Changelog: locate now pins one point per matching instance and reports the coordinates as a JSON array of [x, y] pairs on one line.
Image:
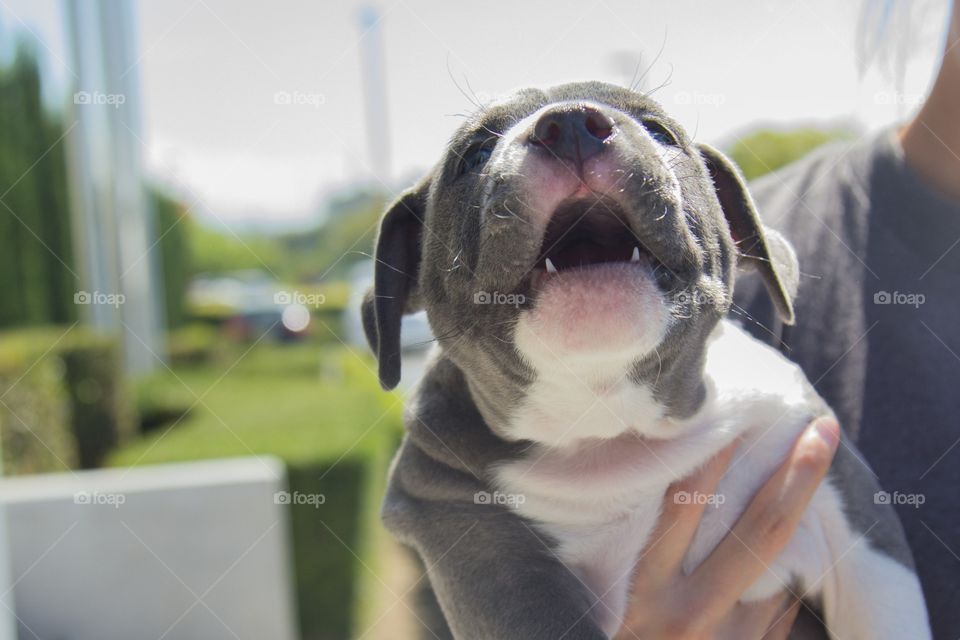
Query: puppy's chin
[[602, 314]]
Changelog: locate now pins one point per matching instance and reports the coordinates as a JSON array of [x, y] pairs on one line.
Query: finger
[[681, 516], [768, 522], [753, 619], [780, 627]]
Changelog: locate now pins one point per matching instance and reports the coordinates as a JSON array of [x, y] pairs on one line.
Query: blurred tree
[[36, 285], [36, 251], [322, 253], [767, 150], [218, 251], [348, 234]]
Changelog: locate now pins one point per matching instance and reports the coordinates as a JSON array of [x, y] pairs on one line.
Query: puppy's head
[[576, 229]]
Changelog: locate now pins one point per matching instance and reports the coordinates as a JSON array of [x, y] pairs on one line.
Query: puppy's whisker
[[457, 263], [393, 268], [476, 97], [663, 84], [740, 254], [636, 86], [460, 89], [452, 335], [507, 207], [659, 367], [740, 311], [472, 100], [521, 201], [493, 134]]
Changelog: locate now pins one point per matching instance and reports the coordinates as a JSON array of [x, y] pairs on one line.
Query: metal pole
[[375, 94], [112, 222]]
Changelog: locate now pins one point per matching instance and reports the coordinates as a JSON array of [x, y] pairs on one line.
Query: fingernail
[[827, 430]]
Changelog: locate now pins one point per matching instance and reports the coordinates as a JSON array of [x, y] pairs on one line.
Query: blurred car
[[249, 304]]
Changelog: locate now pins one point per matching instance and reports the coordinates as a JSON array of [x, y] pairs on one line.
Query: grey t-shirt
[[878, 331]]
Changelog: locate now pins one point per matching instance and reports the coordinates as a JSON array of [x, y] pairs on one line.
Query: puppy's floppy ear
[[758, 246], [394, 292]]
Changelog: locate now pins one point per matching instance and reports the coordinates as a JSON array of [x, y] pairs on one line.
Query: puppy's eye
[[474, 159], [660, 133]]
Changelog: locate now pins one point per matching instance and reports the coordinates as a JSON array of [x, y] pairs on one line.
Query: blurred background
[[193, 440]]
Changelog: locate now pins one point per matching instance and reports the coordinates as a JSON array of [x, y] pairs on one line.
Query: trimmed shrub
[[64, 404], [193, 344], [160, 401], [172, 244], [325, 539], [34, 411], [101, 414]]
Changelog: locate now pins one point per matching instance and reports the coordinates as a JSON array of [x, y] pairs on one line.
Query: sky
[[211, 71]]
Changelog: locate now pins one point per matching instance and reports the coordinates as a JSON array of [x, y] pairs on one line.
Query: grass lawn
[[299, 402], [320, 409]]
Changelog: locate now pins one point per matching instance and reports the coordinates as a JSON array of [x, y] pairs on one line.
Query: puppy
[[575, 252]]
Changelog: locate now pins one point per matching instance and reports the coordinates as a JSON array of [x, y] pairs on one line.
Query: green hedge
[[160, 401], [326, 572], [36, 285], [34, 412], [63, 403], [102, 416], [194, 344], [766, 150], [170, 224]]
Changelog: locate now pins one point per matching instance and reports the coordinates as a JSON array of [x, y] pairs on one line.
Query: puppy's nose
[[572, 133]]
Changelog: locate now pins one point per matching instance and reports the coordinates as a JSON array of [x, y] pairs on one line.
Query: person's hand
[[665, 603]]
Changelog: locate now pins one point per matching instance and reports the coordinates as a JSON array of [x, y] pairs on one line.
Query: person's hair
[[889, 32]]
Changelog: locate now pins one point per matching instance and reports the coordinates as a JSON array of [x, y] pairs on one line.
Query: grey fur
[[866, 513]]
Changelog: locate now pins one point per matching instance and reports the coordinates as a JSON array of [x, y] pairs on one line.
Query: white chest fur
[[598, 499]]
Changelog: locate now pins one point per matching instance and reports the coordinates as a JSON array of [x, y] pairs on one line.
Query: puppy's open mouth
[[587, 233]]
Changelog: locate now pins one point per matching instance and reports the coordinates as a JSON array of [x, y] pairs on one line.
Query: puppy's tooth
[[636, 255], [550, 267]]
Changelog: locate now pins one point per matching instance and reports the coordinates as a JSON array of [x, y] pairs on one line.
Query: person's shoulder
[[821, 205], [825, 184]]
